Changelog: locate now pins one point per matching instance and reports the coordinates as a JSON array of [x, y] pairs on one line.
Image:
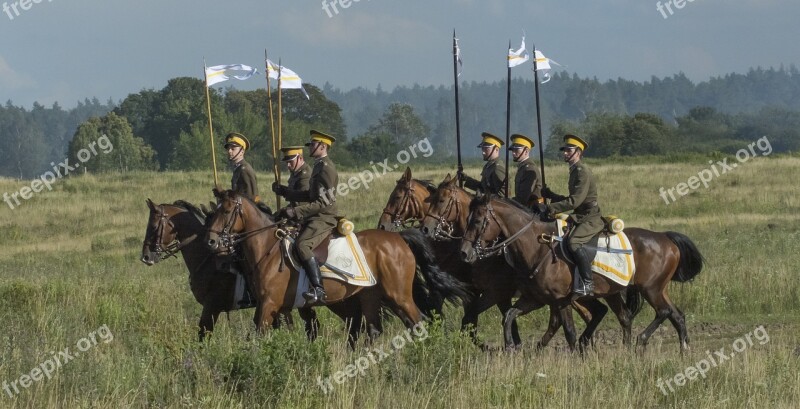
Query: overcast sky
[[66, 50]]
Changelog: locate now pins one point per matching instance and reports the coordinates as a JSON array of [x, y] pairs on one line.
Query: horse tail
[[691, 261], [437, 282], [633, 301]]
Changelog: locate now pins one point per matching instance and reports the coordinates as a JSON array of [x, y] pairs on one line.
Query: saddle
[[611, 252]]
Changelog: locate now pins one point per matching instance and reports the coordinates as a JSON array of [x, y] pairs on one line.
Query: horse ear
[[217, 193], [150, 204], [447, 178], [407, 174]]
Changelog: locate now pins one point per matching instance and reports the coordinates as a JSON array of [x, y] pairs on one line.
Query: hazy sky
[[66, 50]]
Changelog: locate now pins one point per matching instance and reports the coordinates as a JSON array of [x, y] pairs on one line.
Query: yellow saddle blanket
[[614, 257]]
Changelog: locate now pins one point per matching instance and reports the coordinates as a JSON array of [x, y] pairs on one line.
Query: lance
[[508, 115], [538, 114], [275, 166], [458, 117], [210, 127], [280, 110]]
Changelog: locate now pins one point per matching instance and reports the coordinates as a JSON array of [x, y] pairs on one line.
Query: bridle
[[444, 228], [171, 249], [494, 248], [397, 218], [229, 240]]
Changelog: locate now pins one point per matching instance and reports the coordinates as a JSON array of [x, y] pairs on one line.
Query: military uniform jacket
[[298, 186], [527, 182], [582, 199], [492, 177], [320, 198], [243, 180]]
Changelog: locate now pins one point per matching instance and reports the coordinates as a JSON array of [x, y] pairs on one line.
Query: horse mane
[[269, 217], [196, 211], [428, 184], [476, 201]]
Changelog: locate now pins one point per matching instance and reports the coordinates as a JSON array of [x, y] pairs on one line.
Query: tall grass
[[69, 264]]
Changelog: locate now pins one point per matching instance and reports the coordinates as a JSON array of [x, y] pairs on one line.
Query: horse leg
[[469, 322], [312, 323], [678, 321], [592, 314], [349, 311], [661, 304], [523, 306], [266, 313], [617, 304], [371, 310], [552, 326], [565, 312], [207, 320], [504, 306]]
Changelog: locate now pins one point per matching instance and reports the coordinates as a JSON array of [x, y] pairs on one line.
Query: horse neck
[[511, 220], [420, 196], [463, 199], [195, 254], [259, 244]]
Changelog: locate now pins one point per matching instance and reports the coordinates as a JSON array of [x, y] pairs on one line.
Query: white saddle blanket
[[346, 263], [614, 257]]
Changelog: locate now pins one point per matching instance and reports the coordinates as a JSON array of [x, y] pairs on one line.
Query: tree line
[[167, 129]]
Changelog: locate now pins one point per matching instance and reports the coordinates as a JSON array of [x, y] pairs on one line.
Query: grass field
[[69, 268]]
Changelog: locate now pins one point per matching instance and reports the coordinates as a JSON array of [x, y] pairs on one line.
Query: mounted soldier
[[582, 201], [493, 173], [528, 182], [297, 186], [318, 212], [243, 180]]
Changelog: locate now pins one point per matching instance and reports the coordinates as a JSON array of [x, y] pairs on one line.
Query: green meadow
[[70, 272]]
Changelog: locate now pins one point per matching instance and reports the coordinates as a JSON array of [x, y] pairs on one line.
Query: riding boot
[[582, 283], [316, 295]]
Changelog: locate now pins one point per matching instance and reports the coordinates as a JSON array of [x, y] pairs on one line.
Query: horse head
[[161, 236], [235, 219], [447, 213], [493, 218], [407, 203]]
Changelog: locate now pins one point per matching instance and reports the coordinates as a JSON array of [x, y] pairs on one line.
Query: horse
[[446, 216], [392, 257], [660, 258], [175, 228], [407, 207]]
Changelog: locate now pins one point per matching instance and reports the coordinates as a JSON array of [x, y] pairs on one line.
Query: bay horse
[[176, 228], [446, 219], [407, 207], [659, 257], [392, 257]]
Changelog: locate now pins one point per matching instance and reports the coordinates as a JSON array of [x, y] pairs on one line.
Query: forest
[[167, 129]]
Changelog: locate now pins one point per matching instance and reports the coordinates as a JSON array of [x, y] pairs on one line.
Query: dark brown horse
[[410, 204], [391, 257], [446, 219], [179, 228], [659, 257]]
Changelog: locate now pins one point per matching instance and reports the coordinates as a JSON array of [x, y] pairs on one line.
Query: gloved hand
[[539, 208], [460, 176], [279, 189], [287, 213], [547, 193]]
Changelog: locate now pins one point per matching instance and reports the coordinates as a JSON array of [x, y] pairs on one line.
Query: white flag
[[518, 57], [458, 58], [218, 73], [543, 65], [289, 79]]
